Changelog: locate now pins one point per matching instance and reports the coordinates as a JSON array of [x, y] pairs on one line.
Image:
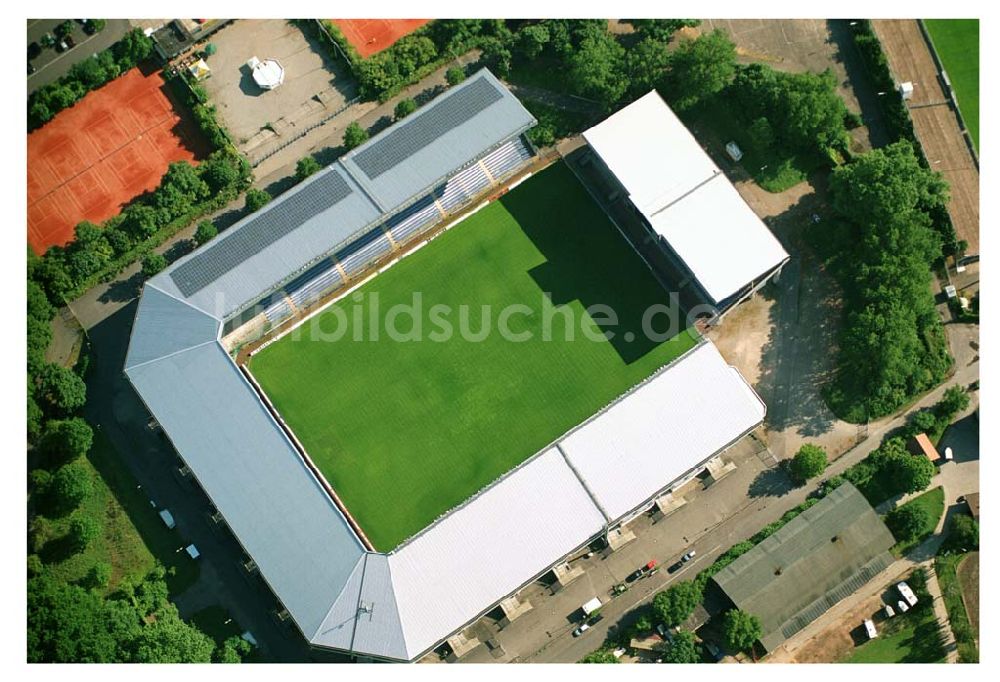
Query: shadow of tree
[[122, 290], [798, 358], [772, 482]]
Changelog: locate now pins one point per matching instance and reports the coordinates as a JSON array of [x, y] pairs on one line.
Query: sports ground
[[94, 157], [957, 44], [369, 36], [406, 430]]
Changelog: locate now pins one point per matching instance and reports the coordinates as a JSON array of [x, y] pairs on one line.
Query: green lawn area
[[406, 430], [946, 567], [911, 637], [134, 537], [933, 502], [957, 44]]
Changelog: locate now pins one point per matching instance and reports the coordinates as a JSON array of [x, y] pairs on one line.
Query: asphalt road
[[51, 65]]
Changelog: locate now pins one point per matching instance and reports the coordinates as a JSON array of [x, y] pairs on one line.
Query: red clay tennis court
[[369, 36], [92, 158]]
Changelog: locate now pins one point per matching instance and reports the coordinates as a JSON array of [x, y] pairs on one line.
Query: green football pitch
[[404, 430], [957, 44]]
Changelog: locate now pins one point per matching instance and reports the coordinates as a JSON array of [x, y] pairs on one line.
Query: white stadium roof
[[685, 197]]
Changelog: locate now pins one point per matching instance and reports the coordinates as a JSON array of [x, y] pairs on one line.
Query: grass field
[[404, 431], [957, 44]]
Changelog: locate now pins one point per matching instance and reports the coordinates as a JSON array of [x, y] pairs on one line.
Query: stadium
[[390, 493]]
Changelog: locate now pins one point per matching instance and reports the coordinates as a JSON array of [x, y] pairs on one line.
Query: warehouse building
[[820, 557]]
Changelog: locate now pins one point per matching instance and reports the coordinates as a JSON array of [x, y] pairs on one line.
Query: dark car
[[70, 42], [34, 50], [640, 572]]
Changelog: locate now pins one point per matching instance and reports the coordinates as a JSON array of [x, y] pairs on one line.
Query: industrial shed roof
[[685, 197], [818, 558]]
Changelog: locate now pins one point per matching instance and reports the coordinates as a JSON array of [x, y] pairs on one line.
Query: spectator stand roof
[[821, 556], [685, 197]]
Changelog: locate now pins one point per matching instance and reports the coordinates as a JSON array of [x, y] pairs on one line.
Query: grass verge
[[946, 567], [933, 502]]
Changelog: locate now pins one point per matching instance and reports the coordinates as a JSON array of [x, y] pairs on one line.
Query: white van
[[870, 629], [591, 606]]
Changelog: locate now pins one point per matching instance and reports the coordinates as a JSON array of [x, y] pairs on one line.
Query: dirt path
[[935, 122]]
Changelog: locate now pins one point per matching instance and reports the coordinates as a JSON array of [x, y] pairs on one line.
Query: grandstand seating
[[403, 227]]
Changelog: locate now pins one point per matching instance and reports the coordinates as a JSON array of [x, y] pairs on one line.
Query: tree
[[908, 522], [99, 576], [809, 462], [597, 69], [132, 48], [531, 41], [220, 171], [454, 75], [233, 650], [646, 64], [906, 472], [892, 346], [354, 135], [699, 69], [35, 418], [39, 336], [682, 649], [923, 421], [675, 604], [496, 55], [599, 656], [60, 389], [205, 232], [39, 306], [404, 108], [256, 199], [65, 440], [661, 29], [83, 530], [307, 165], [35, 565], [70, 485], [741, 630], [963, 533], [954, 401], [153, 264], [169, 639]]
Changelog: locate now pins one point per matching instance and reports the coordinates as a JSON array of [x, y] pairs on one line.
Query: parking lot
[[315, 85]]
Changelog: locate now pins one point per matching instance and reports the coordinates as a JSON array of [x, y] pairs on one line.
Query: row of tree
[[86, 75], [184, 191], [892, 346]]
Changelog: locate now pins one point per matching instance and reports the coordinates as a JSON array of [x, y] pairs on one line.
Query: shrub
[[354, 135], [99, 576], [39, 481], [66, 439], [307, 165], [205, 232], [404, 108], [83, 530], [256, 199], [60, 390], [599, 656], [963, 533], [454, 75], [35, 565], [682, 649], [70, 485], [153, 264], [809, 462]]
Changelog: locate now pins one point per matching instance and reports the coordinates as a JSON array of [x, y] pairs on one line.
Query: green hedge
[[87, 75]]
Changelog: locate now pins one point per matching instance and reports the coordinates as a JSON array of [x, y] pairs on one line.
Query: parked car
[[70, 43], [889, 612], [168, 519], [640, 572], [870, 628], [903, 608], [192, 551], [582, 629], [906, 593], [34, 50], [688, 556]]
